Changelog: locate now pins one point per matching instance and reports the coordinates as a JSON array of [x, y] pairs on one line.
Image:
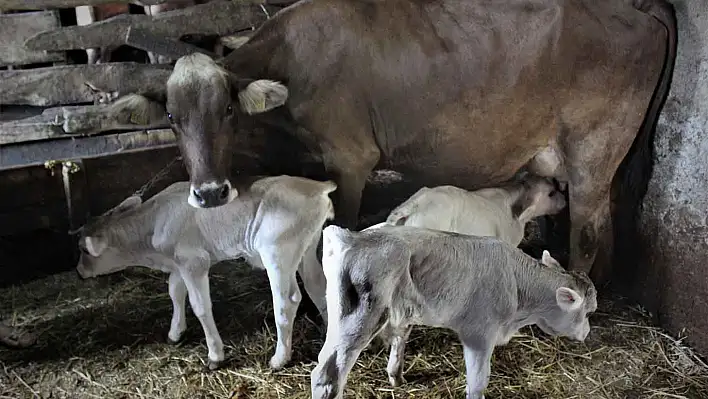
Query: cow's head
[[99, 253], [572, 303], [204, 103]]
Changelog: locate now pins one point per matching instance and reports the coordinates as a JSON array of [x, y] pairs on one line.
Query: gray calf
[[274, 224], [485, 290]]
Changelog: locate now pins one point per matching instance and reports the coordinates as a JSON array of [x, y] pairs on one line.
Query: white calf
[[274, 224], [500, 212]]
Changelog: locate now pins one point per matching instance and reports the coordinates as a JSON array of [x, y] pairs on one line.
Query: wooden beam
[[15, 29], [66, 84], [218, 17], [86, 120], [147, 41], [22, 5], [36, 153]]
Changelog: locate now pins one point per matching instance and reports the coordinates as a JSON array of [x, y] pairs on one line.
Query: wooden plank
[[39, 152], [131, 112], [66, 84], [15, 29], [218, 17], [147, 41], [49, 4]]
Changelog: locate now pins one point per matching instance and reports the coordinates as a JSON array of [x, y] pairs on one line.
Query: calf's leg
[[478, 358], [286, 299], [395, 358], [178, 294], [196, 280], [313, 279], [346, 338]]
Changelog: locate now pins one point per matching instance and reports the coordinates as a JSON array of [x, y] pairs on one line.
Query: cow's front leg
[[178, 294], [196, 279], [478, 357]]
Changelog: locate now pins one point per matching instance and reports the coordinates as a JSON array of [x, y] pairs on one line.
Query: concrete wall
[[672, 280]]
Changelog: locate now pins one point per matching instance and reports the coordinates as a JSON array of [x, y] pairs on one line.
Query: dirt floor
[[105, 338]]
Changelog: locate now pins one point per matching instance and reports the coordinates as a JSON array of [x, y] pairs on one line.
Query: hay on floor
[[105, 338]]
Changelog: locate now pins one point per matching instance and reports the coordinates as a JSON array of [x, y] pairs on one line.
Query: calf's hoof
[[213, 365], [278, 362], [396, 380], [172, 341]]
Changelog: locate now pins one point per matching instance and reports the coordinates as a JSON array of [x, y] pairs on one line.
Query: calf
[[498, 212], [275, 225], [393, 277]]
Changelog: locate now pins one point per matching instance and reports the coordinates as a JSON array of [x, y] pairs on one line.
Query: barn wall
[[673, 277]]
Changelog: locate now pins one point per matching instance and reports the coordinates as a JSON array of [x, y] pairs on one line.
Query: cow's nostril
[[224, 193]]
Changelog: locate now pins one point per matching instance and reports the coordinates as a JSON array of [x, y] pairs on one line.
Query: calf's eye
[[229, 109], [169, 116]]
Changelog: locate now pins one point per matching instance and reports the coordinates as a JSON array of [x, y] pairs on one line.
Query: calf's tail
[[636, 168], [400, 214]]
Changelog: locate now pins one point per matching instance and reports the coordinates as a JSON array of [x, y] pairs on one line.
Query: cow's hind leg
[[593, 159]]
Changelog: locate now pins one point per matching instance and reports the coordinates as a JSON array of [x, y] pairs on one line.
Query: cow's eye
[[229, 109], [169, 116], [84, 250]]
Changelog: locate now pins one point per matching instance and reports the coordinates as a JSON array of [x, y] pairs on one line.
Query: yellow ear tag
[[261, 104]]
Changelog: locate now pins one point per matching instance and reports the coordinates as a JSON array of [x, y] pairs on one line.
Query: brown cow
[[458, 92]]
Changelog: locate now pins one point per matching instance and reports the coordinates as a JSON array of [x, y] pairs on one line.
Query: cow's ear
[[256, 96], [568, 299]]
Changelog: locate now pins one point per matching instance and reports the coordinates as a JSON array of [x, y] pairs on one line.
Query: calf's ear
[[128, 203], [256, 96], [568, 299], [95, 245], [549, 261]]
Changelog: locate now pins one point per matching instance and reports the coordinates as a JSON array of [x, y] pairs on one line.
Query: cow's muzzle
[[211, 194]]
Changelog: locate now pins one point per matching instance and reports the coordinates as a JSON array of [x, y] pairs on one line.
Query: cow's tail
[[637, 166]]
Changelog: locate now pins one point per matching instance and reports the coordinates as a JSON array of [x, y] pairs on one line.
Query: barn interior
[[105, 337]]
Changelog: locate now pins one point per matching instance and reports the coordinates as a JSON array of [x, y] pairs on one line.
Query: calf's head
[[539, 197], [575, 299], [204, 103], [99, 253]]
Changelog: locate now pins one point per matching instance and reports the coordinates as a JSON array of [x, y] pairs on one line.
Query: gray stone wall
[[672, 280]]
